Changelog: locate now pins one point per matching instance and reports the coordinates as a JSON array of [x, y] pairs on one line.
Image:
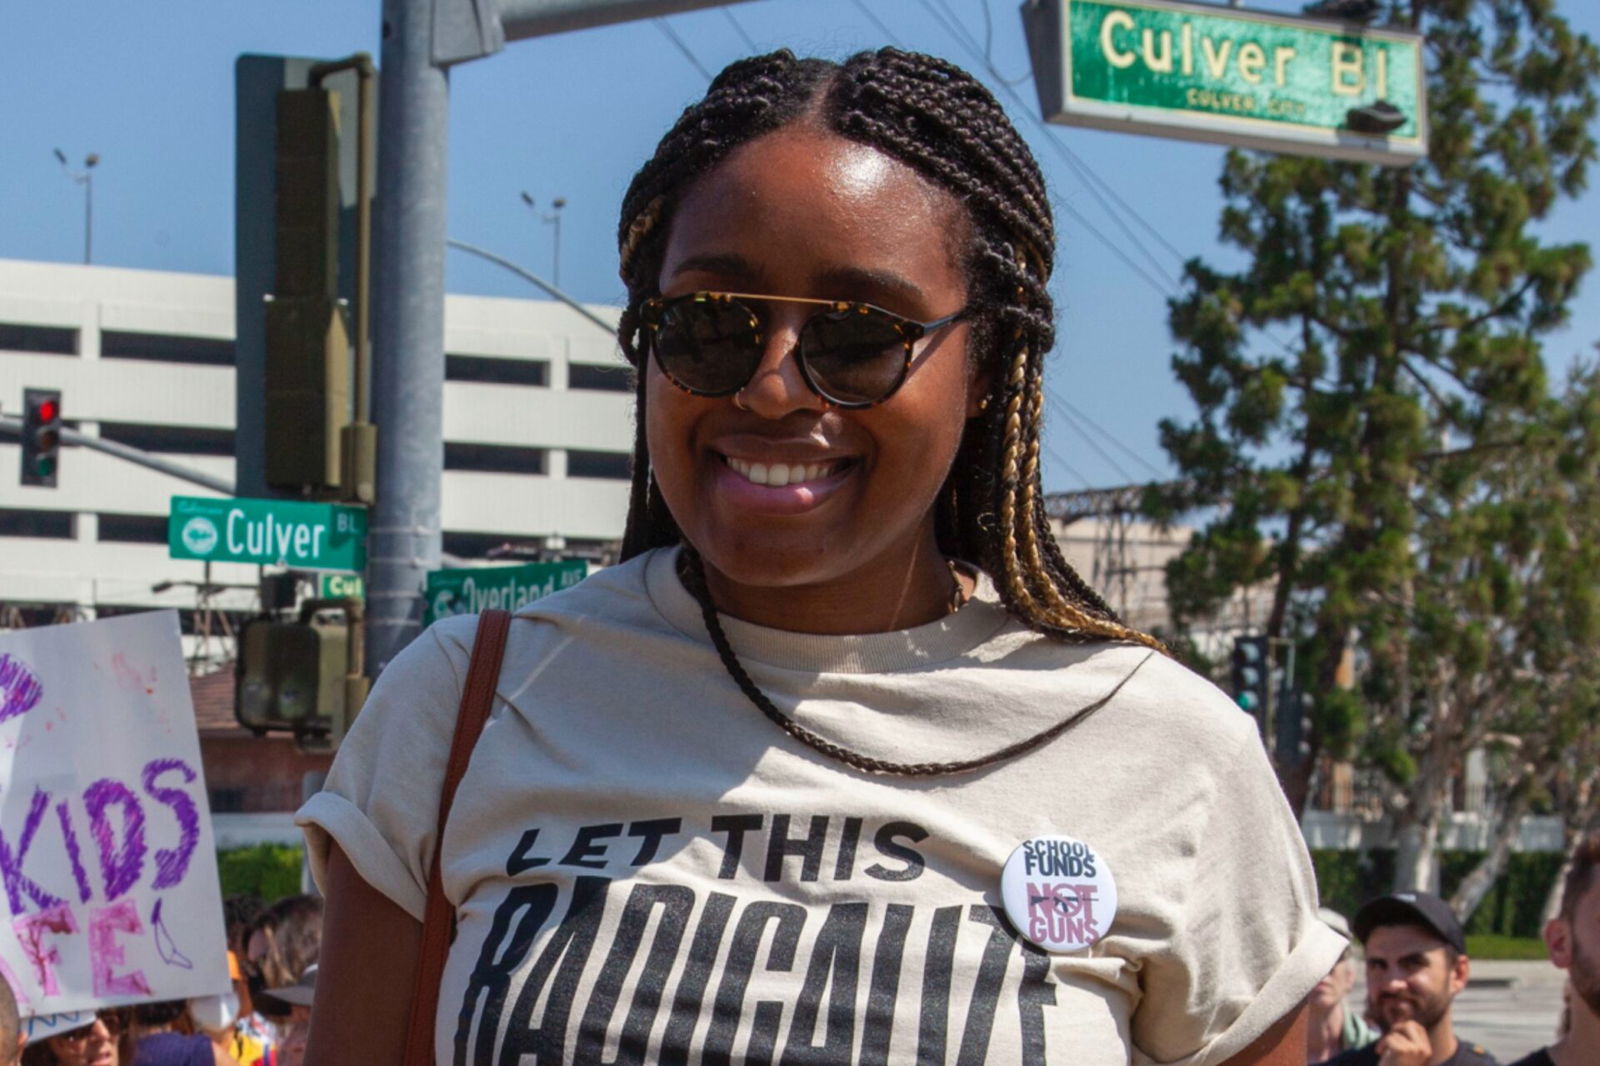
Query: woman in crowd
[[843, 763], [95, 1042]]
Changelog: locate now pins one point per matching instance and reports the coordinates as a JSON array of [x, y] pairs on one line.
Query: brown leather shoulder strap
[[438, 925]]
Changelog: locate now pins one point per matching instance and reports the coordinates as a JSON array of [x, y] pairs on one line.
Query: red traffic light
[[49, 411]]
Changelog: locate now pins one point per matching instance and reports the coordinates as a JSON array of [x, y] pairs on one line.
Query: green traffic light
[[1248, 701]]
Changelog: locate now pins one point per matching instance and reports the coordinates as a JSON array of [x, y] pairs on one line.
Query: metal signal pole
[[422, 39]]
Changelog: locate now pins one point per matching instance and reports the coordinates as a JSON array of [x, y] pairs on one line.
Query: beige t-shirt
[[646, 869]]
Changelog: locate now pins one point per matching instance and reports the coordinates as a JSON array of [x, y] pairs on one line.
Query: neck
[[879, 596], [1324, 1032], [1580, 1044], [1443, 1038]]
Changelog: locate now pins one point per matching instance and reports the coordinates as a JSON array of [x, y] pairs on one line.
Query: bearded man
[[1417, 962]]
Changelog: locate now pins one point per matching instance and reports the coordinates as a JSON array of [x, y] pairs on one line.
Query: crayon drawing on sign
[[104, 830]]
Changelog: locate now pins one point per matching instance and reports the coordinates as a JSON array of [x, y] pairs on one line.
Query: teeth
[[781, 474]]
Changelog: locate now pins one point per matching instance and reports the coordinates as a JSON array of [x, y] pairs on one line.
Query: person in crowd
[[12, 1035], [78, 1038], [162, 1034], [296, 1001], [1573, 939], [281, 943], [843, 696], [1416, 963], [1331, 1027]]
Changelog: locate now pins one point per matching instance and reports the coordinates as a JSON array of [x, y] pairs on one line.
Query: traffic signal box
[[305, 676], [41, 436], [1250, 674], [307, 383]]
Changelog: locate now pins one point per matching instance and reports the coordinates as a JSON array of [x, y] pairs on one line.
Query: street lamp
[[84, 177], [552, 219]]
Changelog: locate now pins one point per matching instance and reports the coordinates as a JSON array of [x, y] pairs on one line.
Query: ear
[[979, 379], [1463, 971], [1558, 939]]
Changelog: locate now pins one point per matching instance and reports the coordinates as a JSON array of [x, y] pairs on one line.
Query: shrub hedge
[[266, 871], [1512, 907]]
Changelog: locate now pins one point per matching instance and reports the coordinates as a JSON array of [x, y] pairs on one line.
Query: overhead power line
[[749, 42], [1098, 428], [876, 21], [672, 36]]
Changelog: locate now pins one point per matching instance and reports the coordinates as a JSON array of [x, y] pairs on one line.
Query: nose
[[778, 387]]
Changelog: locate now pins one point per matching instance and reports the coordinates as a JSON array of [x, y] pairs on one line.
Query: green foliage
[[266, 871], [1493, 946], [1375, 439], [1347, 879]]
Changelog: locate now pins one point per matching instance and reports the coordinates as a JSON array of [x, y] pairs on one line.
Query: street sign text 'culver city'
[[1254, 79]]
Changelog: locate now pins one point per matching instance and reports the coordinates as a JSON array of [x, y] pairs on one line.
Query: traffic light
[[1251, 675], [1294, 727], [41, 436], [307, 393]]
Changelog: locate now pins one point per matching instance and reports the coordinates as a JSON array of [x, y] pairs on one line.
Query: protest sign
[[108, 872]]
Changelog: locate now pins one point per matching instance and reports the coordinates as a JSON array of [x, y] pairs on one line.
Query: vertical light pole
[[552, 219], [84, 177]]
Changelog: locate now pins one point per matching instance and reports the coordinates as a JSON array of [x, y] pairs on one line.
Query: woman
[[95, 1043], [752, 794]]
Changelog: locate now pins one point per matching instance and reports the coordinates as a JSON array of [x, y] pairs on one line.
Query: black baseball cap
[[1411, 908]]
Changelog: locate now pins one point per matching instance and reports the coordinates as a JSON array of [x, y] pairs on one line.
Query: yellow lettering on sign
[[1383, 73], [1108, 46], [1251, 60], [1188, 48], [1348, 79], [1160, 64], [1216, 58], [1280, 59]]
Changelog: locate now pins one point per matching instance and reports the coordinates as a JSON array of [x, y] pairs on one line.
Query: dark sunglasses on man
[[851, 354]]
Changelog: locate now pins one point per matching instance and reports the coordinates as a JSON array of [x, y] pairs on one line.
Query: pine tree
[[1385, 318]]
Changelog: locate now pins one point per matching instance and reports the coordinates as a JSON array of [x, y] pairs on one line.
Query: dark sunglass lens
[[854, 358], [708, 346]]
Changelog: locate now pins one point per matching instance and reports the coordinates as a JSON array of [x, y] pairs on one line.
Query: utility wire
[[988, 47], [1051, 453], [876, 21], [748, 42], [1095, 444], [1169, 284], [684, 48], [1092, 424]]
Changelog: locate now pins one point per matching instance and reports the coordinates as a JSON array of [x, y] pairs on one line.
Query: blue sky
[[149, 87]]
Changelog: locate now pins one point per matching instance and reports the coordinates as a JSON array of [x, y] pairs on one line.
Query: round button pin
[[1058, 893]]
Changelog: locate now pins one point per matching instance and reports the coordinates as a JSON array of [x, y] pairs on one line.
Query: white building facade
[[537, 427]]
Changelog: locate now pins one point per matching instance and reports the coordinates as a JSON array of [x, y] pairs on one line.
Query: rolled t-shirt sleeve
[[380, 803], [1245, 944]]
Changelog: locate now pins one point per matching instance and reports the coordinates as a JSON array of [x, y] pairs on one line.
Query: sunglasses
[[851, 354]]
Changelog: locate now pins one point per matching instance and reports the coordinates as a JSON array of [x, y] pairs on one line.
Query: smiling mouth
[[777, 475]]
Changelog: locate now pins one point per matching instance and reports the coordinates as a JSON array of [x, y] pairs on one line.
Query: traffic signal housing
[[41, 436], [1251, 675], [304, 677]]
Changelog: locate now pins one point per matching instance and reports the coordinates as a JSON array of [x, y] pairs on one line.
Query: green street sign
[[306, 536], [1281, 83], [469, 590], [335, 586]]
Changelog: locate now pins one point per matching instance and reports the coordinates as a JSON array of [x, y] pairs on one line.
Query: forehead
[[802, 200], [1389, 942]]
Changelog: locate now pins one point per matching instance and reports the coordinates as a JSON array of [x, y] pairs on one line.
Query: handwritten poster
[[108, 873]]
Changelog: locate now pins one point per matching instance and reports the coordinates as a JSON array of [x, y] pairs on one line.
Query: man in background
[[1573, 937], [1416, 965]]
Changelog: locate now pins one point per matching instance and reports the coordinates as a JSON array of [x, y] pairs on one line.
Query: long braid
[[937, 119]]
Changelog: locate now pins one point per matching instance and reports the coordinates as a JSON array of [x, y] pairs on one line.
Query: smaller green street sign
[[469, 590], [333, 586], [1203, 72], [306, 536]]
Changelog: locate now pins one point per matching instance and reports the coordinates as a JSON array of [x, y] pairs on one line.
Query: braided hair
[[936, 118]]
